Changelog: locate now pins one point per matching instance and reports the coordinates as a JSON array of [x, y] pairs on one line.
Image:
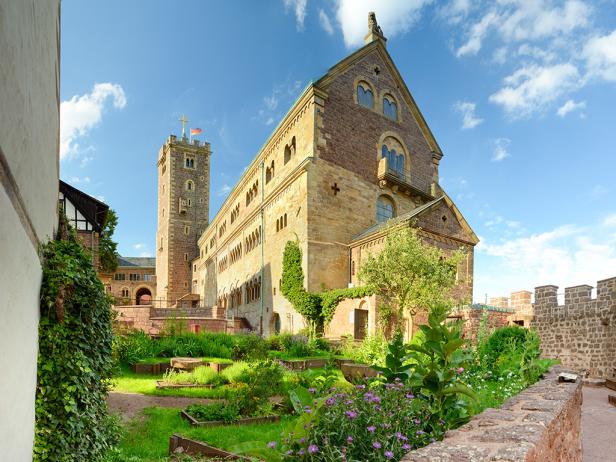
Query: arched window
[[390, 108], [189, 185], [365, 97], [384, 209], [395, 159]]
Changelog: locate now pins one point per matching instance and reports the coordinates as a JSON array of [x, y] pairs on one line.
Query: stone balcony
[[402, 181]]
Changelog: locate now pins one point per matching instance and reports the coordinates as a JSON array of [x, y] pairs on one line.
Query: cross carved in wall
[[336, 189]]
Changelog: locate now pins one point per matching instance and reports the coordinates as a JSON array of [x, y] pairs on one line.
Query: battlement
[[580, 331], [185, 142]]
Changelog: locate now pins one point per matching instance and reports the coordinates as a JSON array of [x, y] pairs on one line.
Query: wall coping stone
[[540, 423]]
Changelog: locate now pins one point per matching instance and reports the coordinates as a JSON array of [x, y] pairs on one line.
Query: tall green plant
[[410, 275], [107, 247], [75, 361]]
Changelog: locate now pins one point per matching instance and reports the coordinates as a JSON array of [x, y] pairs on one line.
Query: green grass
[[160, 359], [146, 439]]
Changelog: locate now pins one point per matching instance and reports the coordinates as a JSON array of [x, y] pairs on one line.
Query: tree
[[107, 247], [409, 275]]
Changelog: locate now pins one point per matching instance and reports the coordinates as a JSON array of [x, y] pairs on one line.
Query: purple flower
[[302, 440], [376, 399], [389, 454], [420, 432], [361, 387], [410, 396], [289, 452], [406, 447], [376, 445], [271, 444], [307, 410], [348, 401], [313, 449], [349, 439], [312, 390], [442, 422], [351, 414], [371, 428], [301, 452], [417, 421], [460, 370], [330, 401]]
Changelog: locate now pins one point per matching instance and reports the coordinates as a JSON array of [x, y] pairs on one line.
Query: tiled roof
[[146, 262], [399, 219]]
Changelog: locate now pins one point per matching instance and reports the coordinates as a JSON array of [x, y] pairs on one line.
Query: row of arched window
[[251, 194], [222, 228], [281, 223], [289, 151], [365, 97], [253, 239], [395, 160], [235, 254], [223, 263], [253, 289], [235, 213]]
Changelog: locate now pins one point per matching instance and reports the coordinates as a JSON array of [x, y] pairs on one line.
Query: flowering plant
[[378, 423]]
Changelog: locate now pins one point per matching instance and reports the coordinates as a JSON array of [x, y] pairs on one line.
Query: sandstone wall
[[542, 423], [582, 332]]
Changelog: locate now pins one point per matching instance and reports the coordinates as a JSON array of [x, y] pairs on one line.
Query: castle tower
[[183, 210]]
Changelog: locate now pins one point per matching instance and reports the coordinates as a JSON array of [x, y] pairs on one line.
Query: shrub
[[365, 424], [371, 350], [234, 372], [503, 340], [249, 346], [134, 346], [202, 375], [75, 360], [256, 385]]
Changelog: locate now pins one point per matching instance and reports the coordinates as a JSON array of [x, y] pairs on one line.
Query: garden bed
[[303, 364], [151, 368], [354, 372], [180, 445], [161, 385], [218, 423]]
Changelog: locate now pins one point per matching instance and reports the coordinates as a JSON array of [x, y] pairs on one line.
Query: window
[[119, 277], [185, 257], [281, 223], [134, 277], [186, 229], [365, 97], [269, 173], [189, 185], [125, 292], [148, 277], [384, 209], [289, 151], [395, 161], [390, 109], [189, 162], [163, 212], [235, 213]]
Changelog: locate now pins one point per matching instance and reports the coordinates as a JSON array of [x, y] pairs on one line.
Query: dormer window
[[390, 108], [365, 96]]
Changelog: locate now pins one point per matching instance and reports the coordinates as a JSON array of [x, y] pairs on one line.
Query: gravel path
[[598, 426], [129, 405]]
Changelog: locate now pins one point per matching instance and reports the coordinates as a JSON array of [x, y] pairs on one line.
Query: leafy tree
[[107, 247], [409, 275]]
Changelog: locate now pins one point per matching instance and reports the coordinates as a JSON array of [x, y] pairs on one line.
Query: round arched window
[[385, 209], [390, 109], [365, 97], [190, 185]]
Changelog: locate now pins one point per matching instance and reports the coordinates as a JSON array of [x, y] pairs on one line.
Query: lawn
[[160, 359], [146, 438]]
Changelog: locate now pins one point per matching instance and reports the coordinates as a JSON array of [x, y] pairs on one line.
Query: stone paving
[[598, 426]]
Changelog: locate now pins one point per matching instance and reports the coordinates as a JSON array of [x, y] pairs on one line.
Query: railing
[[403, 178]]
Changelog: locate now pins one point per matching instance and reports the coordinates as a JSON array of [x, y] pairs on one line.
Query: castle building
[[352, 154]]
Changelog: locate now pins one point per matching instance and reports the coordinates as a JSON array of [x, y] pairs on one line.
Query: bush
[[233, 373], [502, 340], [228, 413], [371, 350], [75, 362], [202, 375], [249, 346], [256, 385], [365, 424]]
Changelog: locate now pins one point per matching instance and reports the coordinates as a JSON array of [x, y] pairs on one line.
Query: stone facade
[[472, 315], [318, 180], [582, 332], [542, 423], [183, 213], [133, 283]]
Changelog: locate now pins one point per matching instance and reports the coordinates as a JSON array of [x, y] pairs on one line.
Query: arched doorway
[[143, 296]]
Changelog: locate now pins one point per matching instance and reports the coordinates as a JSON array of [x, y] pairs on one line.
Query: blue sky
[[520, 95]]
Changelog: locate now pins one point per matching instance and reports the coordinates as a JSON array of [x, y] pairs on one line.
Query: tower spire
[[184, 121]]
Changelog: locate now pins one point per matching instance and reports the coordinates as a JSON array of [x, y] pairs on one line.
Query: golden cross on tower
[[184, 120]]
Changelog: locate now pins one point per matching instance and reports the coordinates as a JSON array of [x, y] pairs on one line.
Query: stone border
[[180, 445], [218, 423], [303, 364], [542, 423], [162, 385]]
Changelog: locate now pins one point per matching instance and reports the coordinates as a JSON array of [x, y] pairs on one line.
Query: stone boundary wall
[[582, 332], [542, 423], [152, 320]]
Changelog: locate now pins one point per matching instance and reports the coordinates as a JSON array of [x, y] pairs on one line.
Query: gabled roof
[[407, 217], [91, 208], [143, 262], [379, 47]]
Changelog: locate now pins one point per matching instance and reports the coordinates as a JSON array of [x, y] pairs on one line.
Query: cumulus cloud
[[467, 110], [281, 93], [570, 106], [476, 35], [501, 152], [82, 113], [326, 24], [532, 88], [224, 190], [299, 9], [566, 255], [610, 220], [394, 16], [138, 246], [455, 11], [600, 54]]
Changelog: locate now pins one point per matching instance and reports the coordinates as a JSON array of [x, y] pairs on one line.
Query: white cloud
[[539, 53], [500, 149], [500, 55], [600, 54], [326, 24], [610, 220], [281, 93], [299, 9], [532, 88], [76, 179], [138, 246], [476, 35], [570, 106], [224, 190], [467, 110], [271, 102], [394, 16], [82, 113], [455, 11], [565, 256]]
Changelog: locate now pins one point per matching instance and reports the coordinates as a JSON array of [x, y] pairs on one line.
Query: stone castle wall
[[582, 332]]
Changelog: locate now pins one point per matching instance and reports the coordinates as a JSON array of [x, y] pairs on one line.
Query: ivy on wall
[[317, 308], [75, 361]]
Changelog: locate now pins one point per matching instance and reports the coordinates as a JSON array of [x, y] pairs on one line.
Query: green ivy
[[75, 361], [319, 308]]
